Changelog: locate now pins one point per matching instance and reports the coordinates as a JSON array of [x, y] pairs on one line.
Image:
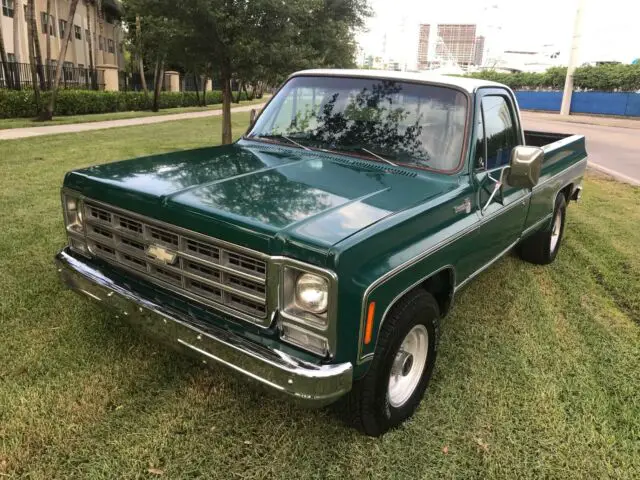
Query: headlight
[[312, 293], [73, 214], [74, 223], [307, 316]]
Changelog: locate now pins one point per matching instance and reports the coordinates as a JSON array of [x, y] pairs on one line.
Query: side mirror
[[252, 117], [525, 166]]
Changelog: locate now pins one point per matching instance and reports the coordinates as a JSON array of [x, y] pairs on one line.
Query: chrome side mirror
[[525, 166], [252, 117]]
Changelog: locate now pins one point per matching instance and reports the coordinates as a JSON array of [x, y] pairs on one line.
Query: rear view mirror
[[525, 166], [252, 117]]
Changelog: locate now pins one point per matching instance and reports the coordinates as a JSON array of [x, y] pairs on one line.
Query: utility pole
[[565, 108]]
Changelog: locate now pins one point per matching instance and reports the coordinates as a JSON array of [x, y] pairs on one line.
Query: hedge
[[604, 78], [21, 103]]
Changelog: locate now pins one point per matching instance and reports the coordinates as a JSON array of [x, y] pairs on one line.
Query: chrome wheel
[[408, 366], [555, 232]]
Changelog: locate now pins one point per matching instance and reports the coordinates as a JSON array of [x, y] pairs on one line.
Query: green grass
[[537, 377], [7, 123]]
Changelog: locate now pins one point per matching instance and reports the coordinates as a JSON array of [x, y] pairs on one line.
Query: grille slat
[[202, 268]]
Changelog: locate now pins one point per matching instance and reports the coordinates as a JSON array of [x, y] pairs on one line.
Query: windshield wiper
[[378, 156], [290, 140]]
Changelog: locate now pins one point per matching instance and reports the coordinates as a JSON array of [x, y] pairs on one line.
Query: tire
[[373, 406], [542, 247]]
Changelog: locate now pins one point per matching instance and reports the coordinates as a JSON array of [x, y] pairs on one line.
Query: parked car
[[318, 254]]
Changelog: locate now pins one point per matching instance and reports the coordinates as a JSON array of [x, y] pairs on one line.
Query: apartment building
[[423, 47], [103, 26], [441, 43]]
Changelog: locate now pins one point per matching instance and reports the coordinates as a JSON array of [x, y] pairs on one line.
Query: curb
[[601, 121], [612, 173]]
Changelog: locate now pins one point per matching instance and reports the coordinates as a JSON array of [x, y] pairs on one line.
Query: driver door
[[502, 208]]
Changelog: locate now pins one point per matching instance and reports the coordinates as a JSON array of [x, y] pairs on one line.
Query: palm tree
[[143, 80], [48, 64], [87, 4], [33, 33], [3, 59], [47, 114]]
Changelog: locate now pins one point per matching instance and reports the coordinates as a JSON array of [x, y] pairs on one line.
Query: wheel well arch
[[567, 190], [441, 285]]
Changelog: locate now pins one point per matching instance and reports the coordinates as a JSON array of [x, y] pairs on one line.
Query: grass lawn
[[538, 372], [6, 123]]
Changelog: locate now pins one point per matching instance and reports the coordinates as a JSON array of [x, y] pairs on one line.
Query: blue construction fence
[[599, 103]]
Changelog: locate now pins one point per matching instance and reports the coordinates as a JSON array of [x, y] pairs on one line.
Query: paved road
[[13, 133], [615, 149]]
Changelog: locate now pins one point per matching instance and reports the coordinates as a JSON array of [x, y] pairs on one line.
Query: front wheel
[[400, 371], [542, 247]]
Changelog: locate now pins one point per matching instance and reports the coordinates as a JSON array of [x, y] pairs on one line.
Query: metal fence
[[131, 82], [72, 77]]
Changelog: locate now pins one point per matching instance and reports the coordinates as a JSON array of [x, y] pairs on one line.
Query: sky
[[610, 28]]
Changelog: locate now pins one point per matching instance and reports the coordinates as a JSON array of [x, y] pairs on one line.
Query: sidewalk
[[617, 122], [14, 133]]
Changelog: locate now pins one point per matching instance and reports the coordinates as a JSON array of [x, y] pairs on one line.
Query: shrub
[[21, 103], [606, 78]]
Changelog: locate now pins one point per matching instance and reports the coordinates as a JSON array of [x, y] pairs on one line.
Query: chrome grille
[[205, 269]]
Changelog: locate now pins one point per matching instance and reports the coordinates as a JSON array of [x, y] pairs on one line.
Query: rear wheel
[[400, 371], [542, 247]]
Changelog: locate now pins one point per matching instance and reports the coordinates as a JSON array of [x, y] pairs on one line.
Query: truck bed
[[542, 139]]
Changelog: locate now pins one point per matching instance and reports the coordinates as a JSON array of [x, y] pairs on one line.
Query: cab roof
[[468, 84]]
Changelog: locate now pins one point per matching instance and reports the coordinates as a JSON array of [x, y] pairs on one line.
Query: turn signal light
[[368, 331]]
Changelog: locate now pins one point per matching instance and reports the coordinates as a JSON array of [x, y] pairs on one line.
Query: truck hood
[[260, 195]]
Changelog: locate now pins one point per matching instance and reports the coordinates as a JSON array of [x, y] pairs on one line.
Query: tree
[[48, 113], [87, 4], [37, 52], [31, 33], [153, 35], [255, 41], [138, 44], [3, 58], [48, 65]]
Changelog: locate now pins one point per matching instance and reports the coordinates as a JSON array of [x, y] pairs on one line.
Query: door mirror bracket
[[497, 188]]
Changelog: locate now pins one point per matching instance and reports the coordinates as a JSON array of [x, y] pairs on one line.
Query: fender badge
[[463, 207], [162, 254]]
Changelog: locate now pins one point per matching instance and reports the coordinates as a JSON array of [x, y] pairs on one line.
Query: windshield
[[385, 120]]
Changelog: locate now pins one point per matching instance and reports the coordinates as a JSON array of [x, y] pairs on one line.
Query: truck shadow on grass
[[155, 379]]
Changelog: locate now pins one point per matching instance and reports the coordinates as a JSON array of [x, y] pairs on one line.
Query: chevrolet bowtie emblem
[[162, 254]]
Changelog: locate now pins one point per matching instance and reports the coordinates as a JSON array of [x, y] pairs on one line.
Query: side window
[[499, 131]]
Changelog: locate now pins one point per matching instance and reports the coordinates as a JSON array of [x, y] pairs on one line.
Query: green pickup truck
[[317, 254]]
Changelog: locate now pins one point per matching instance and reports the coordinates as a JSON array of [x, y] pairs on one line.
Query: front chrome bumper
[[306, 383]]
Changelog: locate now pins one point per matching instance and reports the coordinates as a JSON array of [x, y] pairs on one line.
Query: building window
[[78, 32], [63, 28], [48, 21], [11, 58], [7, 8], [67, 69], [80, 65], [111, 46], [101, 43], [86, 34]]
